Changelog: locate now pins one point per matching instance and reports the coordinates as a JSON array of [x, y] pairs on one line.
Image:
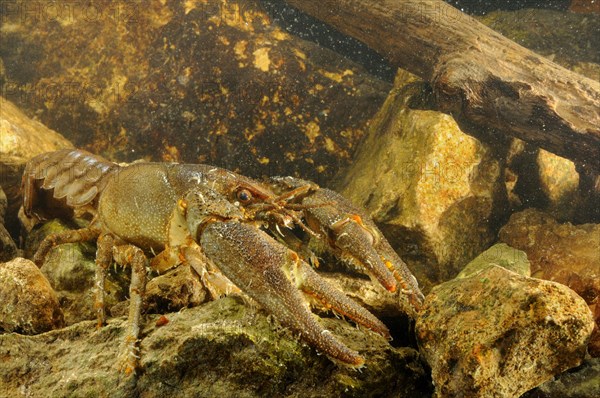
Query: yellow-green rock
[[495, 333], [435, 191]]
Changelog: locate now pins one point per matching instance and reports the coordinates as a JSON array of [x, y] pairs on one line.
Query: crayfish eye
[[243, 196]]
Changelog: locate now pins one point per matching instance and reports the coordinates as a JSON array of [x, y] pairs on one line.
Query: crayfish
[[234, 231]]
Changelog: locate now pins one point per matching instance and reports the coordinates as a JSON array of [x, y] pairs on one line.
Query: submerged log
[[482, 78]]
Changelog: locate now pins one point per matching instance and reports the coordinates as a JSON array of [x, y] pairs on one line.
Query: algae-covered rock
[[501, 255], [29, 305], [495, 333], [226, 347], [70, 270], [560, 252], [222, 348], [434, 191]]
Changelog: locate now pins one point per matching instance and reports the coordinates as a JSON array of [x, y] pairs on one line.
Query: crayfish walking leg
[[135, 257], [50, 241]]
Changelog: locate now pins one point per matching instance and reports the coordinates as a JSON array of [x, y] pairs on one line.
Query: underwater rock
[[176, 289], [70, 270], [560, 252], [434, 191], [540, 179], [21, 138], [501, 255], [498, 333], [368, 294], [559, 182], [29, 305], [172, 291], [582, 382], [223, 348], [209, 81]]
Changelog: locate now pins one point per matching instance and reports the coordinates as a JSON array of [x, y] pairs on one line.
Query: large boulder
[[492, 332], [436, 192], [223, 348]]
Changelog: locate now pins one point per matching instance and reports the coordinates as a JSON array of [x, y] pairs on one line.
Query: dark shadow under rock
[[581, 382]]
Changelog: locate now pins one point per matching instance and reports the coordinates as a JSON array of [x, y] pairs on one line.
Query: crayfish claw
[[355, 239], [270, 273], [315, 286]]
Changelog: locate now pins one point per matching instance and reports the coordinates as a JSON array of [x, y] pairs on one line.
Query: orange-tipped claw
[[311, 283], [355, 239]]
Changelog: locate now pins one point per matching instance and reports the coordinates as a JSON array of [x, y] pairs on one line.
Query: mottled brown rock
[[198, 81], [223, 348], [496, 333], [435, 192], [561, 252], [29, 305], [178, 288]]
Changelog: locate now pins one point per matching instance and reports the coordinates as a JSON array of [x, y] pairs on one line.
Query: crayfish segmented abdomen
[[64, 181]]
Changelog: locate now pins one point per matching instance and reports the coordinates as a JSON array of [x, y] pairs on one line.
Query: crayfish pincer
[[232, 230]]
